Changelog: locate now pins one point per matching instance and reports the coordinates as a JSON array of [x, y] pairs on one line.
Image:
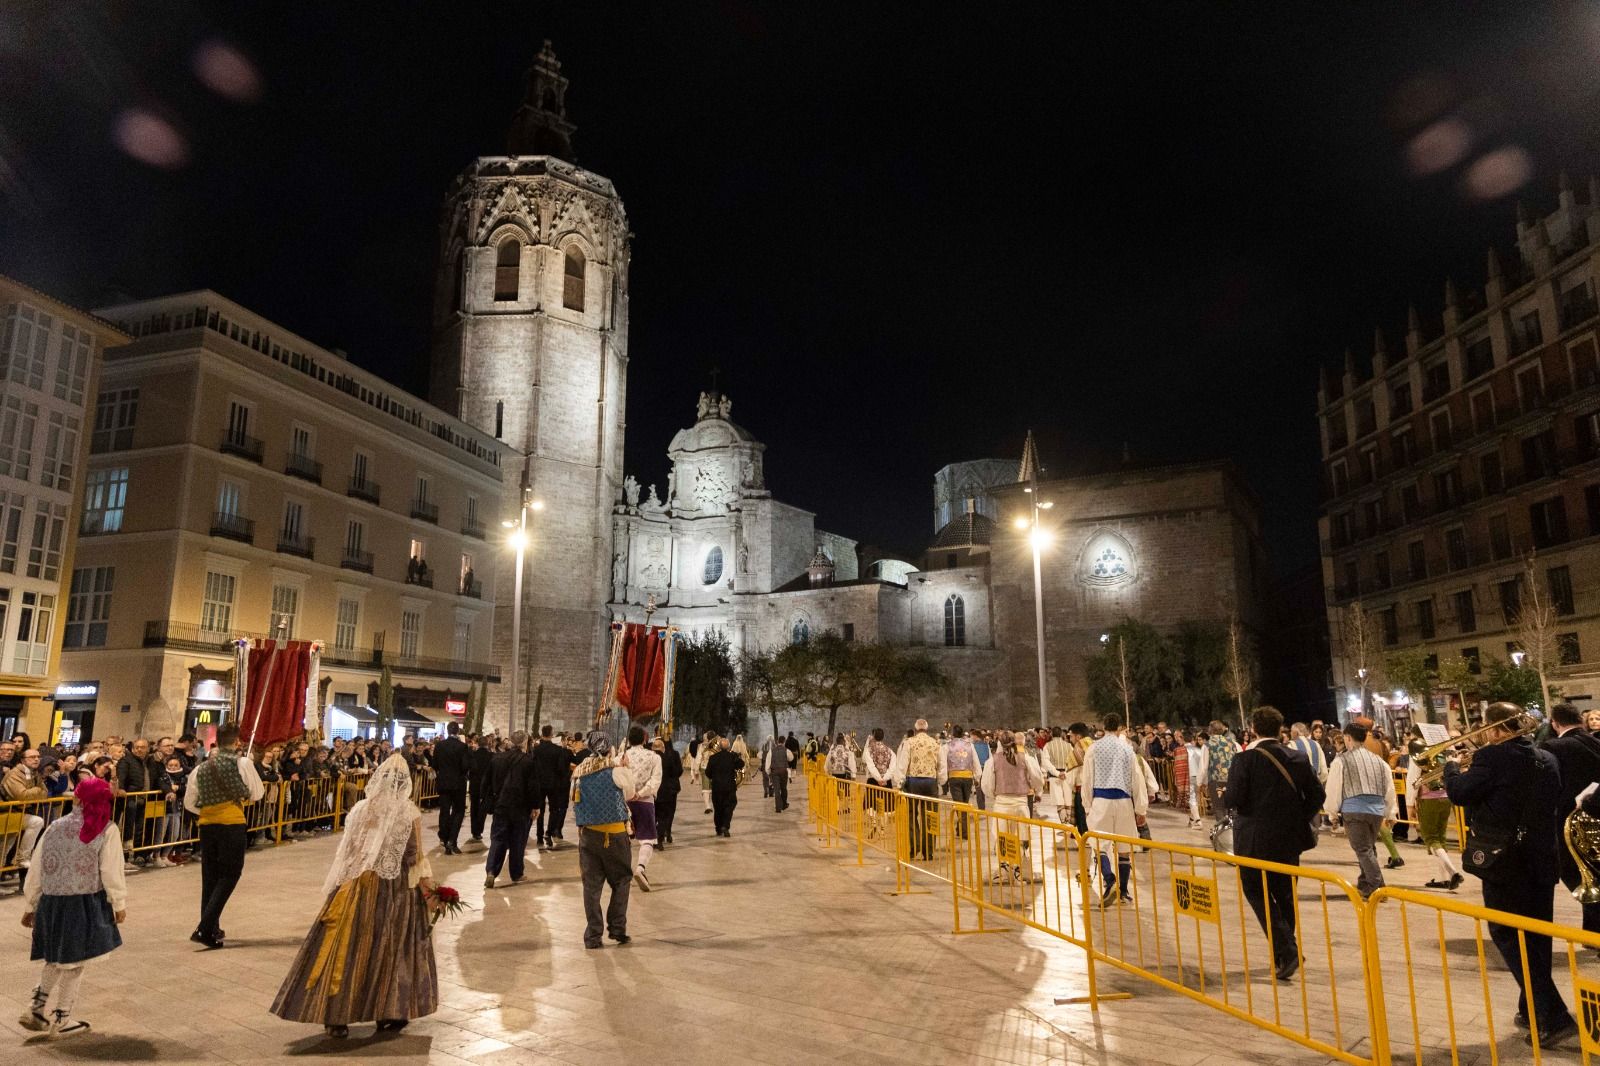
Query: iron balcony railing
[[187, 636], [244, 446], [303, 467], [355, 559], [233, 527], [362, 489], [292, 544], [428, 512]]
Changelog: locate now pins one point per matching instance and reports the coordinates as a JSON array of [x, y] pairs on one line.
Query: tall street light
[[1038, 538], [518, 539]]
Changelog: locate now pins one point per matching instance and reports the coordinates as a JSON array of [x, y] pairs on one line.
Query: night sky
[[904, 238]]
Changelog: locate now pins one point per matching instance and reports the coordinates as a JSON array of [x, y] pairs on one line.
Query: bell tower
[[530, 344]]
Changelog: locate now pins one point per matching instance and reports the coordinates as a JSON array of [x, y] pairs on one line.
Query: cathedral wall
[[842, 550]]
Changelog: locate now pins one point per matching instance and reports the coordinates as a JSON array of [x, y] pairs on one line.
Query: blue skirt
[[71, 929]]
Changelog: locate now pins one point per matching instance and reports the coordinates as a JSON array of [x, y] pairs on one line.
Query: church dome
[[969, 530]]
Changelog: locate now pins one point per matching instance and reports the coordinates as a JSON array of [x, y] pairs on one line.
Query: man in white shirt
[[777, 760], [1118, 800], [644, 766]]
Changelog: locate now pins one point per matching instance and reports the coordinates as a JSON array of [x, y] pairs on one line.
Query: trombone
[[1430, 759]]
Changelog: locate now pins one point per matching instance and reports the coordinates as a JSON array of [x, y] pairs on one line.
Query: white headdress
[[378, 828]]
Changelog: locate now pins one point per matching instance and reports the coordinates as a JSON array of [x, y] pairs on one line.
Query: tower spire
[[540, 126], [1029, 470]]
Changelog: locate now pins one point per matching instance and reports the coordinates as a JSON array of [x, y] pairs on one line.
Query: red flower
[[447, 895]]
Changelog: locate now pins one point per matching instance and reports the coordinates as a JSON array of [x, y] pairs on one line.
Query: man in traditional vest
[[1064, 757], [962, 767], [600, 794], [217, 793], [1118, 800], [920, 769]]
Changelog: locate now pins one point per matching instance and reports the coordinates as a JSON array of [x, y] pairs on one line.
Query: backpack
[[1222, 750], [959, 757]]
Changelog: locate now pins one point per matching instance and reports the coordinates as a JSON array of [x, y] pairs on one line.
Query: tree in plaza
[[765, 685], [1137, 664], [1454, 674], [828, 672], [1362, 646], [1413, 673], [1536, 621], [1509, 683], [1239, 675], [385, 706], [705, 686]]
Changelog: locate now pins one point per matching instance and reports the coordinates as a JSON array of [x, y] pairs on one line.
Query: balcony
[[472, 587], [362, 489], [186, 636], [245, 447], [1577, 309], [303, 467], [459, 668], [355, 559], [296, 544], [471, 528], [165, 633], [233, 527], [419, 575], [428, 512]]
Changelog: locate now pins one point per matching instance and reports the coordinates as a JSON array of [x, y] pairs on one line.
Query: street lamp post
[[518, 539], [1038, 537]]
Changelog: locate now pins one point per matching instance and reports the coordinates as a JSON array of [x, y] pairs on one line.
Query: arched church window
[[801, 633], [572, 283], [713, 570], [507, 269], [955, 622]]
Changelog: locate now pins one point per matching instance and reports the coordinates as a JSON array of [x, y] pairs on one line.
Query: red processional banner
[[277, 673], [641, 670]]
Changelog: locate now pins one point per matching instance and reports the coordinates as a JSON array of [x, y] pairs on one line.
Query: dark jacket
[[671, 772], [1271, 816], [138, 775], [479, 762], [511, 782], [722, 770], [451, 762], [552, 765], [1509, 784], [1578, 757]]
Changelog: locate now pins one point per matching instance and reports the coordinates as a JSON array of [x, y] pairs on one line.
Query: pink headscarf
[[93, 798]]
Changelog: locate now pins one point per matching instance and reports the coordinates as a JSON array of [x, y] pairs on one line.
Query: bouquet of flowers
[[442, 901]]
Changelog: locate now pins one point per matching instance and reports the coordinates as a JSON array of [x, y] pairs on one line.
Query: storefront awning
[[362, 715]]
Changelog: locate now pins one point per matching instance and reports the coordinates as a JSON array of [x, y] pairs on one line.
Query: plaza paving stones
[[761, 948]]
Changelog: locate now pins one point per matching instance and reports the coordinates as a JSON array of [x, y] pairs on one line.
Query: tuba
[[1582, 834]]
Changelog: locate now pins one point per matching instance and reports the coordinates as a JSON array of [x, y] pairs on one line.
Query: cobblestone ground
[[762, 948]]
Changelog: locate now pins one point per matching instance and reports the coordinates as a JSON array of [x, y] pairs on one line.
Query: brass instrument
[[1582, 834], [1430, 760]]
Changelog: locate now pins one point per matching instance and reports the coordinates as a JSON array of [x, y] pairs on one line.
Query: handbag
[[1487, 845], [1308, 835]]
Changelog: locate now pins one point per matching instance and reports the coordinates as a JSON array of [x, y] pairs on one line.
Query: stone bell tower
[[530, 343]]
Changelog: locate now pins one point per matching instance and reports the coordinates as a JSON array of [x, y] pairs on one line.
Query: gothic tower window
[[713, 568], [499, 418], [458, 281], [801, 633], [572, 283], [507, 269], [955, 622]]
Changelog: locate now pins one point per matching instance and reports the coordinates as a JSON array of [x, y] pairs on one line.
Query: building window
[[285, 611], [1400, 400], [49, 530], [346, 622], [713, 567], [1591, 503], [105, 495], [1510, 600], [1466, 612], [849, 631], [1404, 447], [72, 364], [1499, 537], [1530, 388], [230, 499], [410, 633], [1560, 579], [31, 655], [1474, 663], [1373, 510], [1539, 456], [507, 269], [1447, 488], [1340, 476], [1435, 383], [216, 604], [955, 622], [1411, 501], [89, 607], [1352, 578], [1455, 548], [115, 413], [1417, 560], [1479, 358], [499, 419], [1489, 473], [27, 333], [800, 632], [461, 648], [1380, 570], [355, 537], [1529, 333], [1568, 651], [1483, 411], [16, 437], [1390, 625], [1549, 521], [10, 531], [60, 452], [572, 280], [238, 423], [301, 444], [1425, 619]]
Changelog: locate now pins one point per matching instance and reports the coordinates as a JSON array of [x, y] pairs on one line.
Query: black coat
[[1508, 784], [722, 770], [671, 771], [451, 763], [1271, 817], [479, 762], [511, 781], [1578, 756], [552, 765]]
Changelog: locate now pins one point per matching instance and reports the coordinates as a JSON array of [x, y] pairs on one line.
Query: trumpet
[[1430, 759]]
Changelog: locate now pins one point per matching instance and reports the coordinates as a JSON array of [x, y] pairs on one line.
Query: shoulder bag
[[1487, 845]]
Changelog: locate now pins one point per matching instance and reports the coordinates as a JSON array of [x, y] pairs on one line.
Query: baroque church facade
[[531, 346]]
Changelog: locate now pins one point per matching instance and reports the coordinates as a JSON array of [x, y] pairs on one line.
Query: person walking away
[[1220, 748], [1008, 778], [921, 770], [741, 749], [1274, 794], [1577, 753], [1118, 802], [73, 903], [556, 815], [452, 765], [878, 760], [841, 763], [1511, 793], [1064, 757], [708, 748], [667, 795], [645, 767], [600, 795], [218, 791], [722, 772], [511, 783], [961, 773], [369, 954], [480, 760], [1434, 811], [761, 761], [1300, 741], [551, 766], [1361, 792], [779, 764]]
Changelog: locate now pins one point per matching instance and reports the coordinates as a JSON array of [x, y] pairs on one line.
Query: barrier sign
[[1589, 1014], [1196, 897], [1009, 848]]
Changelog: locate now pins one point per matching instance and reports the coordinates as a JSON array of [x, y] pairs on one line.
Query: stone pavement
[[762, 948]]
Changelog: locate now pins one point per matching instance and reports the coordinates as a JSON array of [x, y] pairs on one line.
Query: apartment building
[[49, 361], [244, 482], [1474, 445]]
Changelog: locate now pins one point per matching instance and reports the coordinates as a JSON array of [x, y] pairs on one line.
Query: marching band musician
[[1577, 753], [1511, 792]]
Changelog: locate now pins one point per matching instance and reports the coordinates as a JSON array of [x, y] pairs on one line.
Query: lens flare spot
[[1498, 173], [1439, 147], [224, 70], [150, 139]]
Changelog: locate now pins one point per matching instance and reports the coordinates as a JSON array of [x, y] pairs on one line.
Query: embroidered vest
[[1010, 780], [839, 760], [960, 757], [1222, 749], [67, 865], [218, 781], [597, 800], [922, 756]]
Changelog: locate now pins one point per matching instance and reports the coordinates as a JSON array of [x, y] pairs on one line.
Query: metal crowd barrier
[[1189, 927]]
